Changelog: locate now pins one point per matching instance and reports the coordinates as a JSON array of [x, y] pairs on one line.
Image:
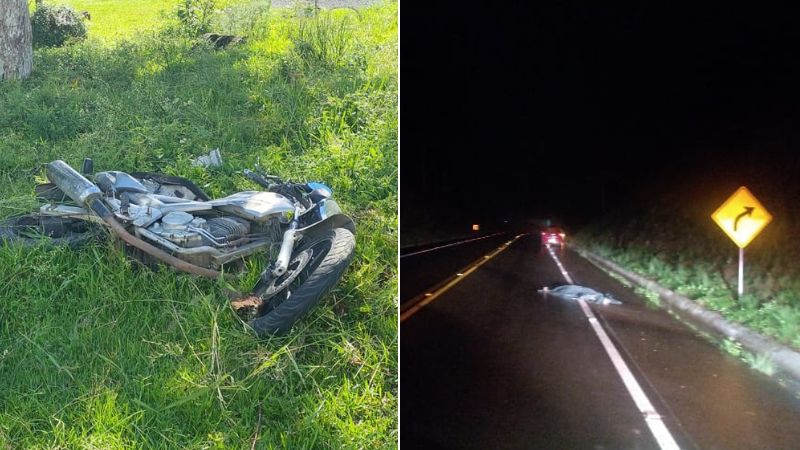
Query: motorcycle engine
[[228, 228], [187, 230]]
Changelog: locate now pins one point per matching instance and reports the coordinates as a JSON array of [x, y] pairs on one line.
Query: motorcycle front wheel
[[316, 265]]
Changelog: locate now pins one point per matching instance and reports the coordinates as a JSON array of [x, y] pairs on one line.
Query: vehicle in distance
[[553, 236]]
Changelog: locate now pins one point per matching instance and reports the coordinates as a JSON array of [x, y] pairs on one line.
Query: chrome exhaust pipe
[[72, 183]]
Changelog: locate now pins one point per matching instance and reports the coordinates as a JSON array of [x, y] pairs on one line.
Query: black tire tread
[[327, 274], [9, 234]]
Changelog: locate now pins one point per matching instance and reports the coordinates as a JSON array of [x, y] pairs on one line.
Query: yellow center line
[[425, 299]]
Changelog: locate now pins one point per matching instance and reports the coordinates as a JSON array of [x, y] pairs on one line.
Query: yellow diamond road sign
[[742, 217]]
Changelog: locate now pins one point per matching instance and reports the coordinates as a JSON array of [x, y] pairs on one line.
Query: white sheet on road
[[575, 292]]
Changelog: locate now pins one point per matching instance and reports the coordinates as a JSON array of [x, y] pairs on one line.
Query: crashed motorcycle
[[307, 240]]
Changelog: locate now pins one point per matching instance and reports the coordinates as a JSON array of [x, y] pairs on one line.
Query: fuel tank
[[254, 205]]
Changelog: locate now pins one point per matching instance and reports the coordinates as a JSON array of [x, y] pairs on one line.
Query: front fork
[[289, 237]]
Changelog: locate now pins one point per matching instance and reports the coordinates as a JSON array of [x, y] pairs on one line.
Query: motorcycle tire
[[331, 251], [36, 229]]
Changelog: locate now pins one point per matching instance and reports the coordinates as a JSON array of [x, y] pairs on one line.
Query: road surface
[[424, 267], [491, 363]]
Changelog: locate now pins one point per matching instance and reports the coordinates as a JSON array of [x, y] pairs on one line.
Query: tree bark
[[16, 42]]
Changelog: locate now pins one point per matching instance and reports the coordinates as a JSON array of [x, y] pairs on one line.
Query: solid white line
[[560, 266], [651, 417], [448, 245]]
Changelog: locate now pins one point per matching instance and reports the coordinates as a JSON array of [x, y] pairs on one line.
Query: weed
[[762, 363], [788, 322], [323, 40], [692, 291], [716, 300], [749, 301], [194, 16], [732, 347], [246, 18], [652, 297]]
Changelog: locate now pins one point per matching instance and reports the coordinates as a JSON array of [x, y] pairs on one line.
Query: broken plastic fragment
[[212, 159]]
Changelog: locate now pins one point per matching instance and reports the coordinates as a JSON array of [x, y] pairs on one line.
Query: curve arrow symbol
[[748, 211]]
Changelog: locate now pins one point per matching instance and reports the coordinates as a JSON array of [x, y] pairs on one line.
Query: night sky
[[567, 109]]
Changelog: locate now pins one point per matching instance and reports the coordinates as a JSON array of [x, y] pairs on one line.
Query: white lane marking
[[652, 418], [560, 266], [448, 245]]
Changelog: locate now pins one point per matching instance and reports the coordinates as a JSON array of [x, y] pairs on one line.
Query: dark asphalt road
[[493, 364], [425, 270]]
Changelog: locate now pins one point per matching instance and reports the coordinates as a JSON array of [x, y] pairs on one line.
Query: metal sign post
[[741, 271]]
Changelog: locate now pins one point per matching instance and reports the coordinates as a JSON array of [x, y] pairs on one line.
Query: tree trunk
[[16, 42]]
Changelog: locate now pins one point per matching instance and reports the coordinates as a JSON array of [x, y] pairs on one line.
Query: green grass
[[686, 253], [96, 352], [114, 20], [117, 20]]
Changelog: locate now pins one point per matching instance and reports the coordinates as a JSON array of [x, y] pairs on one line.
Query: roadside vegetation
[[98, 352], [683, 250]]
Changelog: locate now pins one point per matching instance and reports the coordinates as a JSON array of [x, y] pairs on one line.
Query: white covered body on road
[[576, 292]]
